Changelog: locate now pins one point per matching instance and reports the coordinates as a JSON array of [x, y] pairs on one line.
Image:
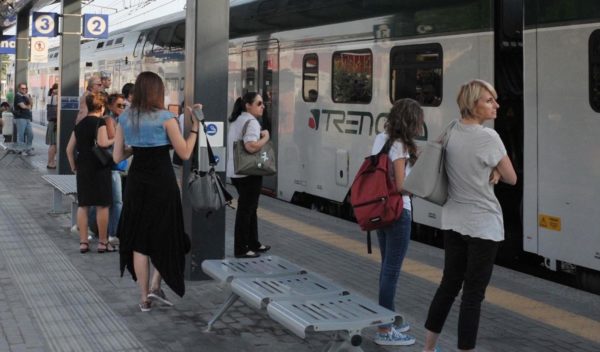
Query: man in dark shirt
[[22, 118]]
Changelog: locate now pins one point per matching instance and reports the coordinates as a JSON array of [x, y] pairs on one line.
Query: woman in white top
[[475, 161], [248, 108], [404, 123]]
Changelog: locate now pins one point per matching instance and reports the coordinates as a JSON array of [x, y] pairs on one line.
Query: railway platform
[[52, 298]]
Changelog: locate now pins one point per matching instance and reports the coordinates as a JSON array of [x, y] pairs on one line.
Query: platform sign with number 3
[[45, 24], [95, 26]]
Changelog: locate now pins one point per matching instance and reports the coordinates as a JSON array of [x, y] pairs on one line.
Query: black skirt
[[151, 222]]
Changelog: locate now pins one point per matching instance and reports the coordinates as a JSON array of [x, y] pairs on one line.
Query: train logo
[[313, 120], [211, 129]]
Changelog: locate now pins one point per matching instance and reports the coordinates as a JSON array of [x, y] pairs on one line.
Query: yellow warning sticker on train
[[549, 222]]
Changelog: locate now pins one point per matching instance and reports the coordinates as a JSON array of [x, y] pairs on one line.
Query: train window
[[162, 40], [100, 45], [416, 72], [594, 70], [178, 41], [110, 42], [352, 80], [310, 77], [148, 43], [119, 40]]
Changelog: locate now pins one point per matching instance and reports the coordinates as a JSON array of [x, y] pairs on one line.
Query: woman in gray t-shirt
[[475, 161]]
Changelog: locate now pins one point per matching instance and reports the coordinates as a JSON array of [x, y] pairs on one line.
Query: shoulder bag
[[260, 163], [103, 155], [428, 178], [51, 110], [207, 191]]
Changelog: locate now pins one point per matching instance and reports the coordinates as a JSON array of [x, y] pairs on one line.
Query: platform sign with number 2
[[95, 26]]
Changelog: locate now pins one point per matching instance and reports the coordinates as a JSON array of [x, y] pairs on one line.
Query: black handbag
[[103, 155], [207, 191], [51, 112]]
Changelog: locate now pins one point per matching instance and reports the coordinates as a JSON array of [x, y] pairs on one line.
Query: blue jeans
[[393, 244], [117, 204], [24, 134]]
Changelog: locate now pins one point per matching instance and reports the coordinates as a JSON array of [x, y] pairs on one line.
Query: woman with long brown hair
[[404, 123], [151, 223]]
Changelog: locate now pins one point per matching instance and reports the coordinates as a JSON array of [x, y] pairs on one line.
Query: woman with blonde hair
[[476, 160], [151, 223], [93, 178]]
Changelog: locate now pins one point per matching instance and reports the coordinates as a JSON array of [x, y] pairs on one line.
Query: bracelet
[[192, 131]]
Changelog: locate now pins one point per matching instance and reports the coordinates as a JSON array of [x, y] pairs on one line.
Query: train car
[[329, 70]]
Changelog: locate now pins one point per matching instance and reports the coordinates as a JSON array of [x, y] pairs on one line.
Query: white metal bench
[[63, 185], [299, 300]]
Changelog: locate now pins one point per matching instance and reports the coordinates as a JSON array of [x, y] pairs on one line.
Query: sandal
[[106, 247], [84, 247]]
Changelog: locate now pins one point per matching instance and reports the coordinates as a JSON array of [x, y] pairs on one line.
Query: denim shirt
[[150, 131]]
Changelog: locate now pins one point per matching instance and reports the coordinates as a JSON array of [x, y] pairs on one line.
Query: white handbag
[[428, 178]]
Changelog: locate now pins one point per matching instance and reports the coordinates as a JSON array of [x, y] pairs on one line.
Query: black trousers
[[246, 224], [468, 264]]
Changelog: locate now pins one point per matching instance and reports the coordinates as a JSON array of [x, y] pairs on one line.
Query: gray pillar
[[69, 81], [206, 61], [22, 50]]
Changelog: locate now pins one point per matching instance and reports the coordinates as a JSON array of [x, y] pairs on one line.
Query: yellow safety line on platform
[[547, 314]]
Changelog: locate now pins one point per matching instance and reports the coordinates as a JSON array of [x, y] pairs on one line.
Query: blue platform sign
[[8, 44], [44, 24], [69, 102], [95, 26]]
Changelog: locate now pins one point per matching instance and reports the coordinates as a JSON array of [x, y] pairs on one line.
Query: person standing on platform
[[93, 178], [94, 85], [7, 122], [116, 106], [106, 80], [23, 117], [403, 125], [250, 107], [127, 92], [151, 224], [51, 128], [476, 160]]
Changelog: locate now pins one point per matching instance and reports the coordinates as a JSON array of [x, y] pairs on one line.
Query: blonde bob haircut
[[469, 93]]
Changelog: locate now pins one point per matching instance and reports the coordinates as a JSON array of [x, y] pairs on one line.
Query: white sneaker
[[393, 338], [113, 240]]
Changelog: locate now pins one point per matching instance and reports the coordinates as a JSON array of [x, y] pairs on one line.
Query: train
[[329, 71]]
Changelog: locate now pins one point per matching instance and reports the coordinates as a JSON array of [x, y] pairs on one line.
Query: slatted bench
[[299, 300], [63, 185]]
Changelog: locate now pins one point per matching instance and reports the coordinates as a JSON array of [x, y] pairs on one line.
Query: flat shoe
[[50, 167], [248, 254], [106, 247], [263, 248], [84, 247]]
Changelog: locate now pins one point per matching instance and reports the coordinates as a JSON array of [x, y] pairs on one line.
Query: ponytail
[[240, 105]]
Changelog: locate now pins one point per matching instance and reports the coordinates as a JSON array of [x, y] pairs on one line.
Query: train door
[[260, 73], [508, 74], [561, 145]]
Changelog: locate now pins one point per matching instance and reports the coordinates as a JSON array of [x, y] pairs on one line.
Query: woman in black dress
[[93, 179], [151, 224]]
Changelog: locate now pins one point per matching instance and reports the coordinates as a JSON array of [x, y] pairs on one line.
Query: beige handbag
[[260, 163], [428, 178]]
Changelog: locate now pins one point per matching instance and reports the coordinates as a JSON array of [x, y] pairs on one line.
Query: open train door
[[260, 73]]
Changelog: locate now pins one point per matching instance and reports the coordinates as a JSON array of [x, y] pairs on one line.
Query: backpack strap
[[369, 242]]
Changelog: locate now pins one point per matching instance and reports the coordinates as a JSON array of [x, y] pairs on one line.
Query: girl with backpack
[[404, 123]]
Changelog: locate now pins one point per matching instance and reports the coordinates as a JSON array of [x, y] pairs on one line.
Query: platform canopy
[[10, 8]]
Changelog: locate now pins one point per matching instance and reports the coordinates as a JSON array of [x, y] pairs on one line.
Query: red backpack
[[373, 195]]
